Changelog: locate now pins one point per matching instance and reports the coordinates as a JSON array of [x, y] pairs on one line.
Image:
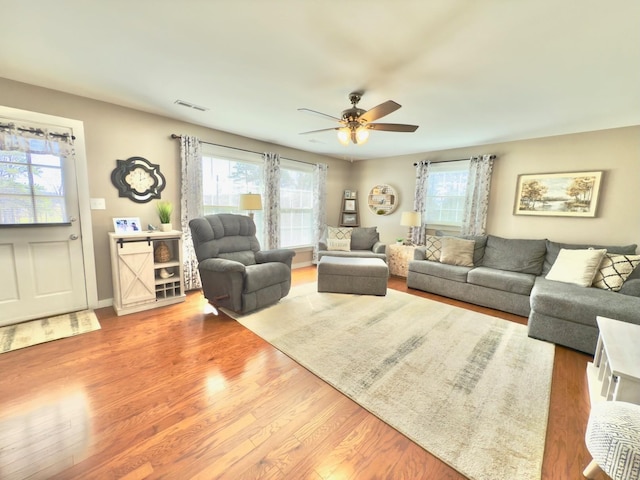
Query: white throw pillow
[[342, 244], [339, 232], [576, 266], [457, 251], [614, 271]]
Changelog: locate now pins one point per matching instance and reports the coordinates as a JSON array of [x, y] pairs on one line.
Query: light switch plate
[[97, 204]]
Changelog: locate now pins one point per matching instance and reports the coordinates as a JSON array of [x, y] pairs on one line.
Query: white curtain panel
[[476, 206], [271, 196], [319, 205], [419, 234], [190, 205]]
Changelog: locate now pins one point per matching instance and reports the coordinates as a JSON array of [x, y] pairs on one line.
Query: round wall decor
[[382, 199], [138, 179]]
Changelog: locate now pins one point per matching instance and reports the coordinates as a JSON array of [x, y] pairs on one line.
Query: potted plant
[[165, 209]]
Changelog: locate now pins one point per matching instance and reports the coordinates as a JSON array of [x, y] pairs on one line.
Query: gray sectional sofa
[[509, 275]]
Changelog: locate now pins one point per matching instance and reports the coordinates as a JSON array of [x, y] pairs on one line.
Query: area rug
[[469, 388], [30, 333]]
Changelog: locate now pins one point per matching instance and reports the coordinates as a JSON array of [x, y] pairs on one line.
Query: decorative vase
[[161, 253], [165, 227]]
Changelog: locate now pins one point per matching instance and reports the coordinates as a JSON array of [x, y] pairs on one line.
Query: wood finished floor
[[176, 393]]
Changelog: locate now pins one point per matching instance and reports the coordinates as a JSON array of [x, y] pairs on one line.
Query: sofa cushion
[[506, 281], [553, 248], [441, 270], [514, 255], [363, 238], [581, 305], [576, 266], [614, 271], [457, 251]]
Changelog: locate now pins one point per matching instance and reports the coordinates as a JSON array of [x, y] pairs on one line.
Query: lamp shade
[[410, 219], [250, 201]]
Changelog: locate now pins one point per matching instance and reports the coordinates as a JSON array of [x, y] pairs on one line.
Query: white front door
[[42, 257]]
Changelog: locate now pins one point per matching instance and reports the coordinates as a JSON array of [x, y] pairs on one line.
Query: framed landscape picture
[[573, 194]]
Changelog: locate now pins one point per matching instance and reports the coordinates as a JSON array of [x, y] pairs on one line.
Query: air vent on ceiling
[[190, 105]]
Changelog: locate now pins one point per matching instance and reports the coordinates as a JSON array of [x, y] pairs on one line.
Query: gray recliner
[[235, 273]]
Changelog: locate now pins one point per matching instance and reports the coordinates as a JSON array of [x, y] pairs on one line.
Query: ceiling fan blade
[[380, 111], [308, 110], [392, 127], [322, 130]]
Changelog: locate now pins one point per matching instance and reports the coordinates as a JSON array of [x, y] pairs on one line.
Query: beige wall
[[113, 132], [616, 152]]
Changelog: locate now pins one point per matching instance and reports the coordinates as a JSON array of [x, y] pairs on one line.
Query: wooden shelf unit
[[349, 215], [137, 281]]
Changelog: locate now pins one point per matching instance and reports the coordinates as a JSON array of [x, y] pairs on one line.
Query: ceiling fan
[[355, 122]]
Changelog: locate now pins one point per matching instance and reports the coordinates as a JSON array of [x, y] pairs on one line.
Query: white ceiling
[[468, 72]]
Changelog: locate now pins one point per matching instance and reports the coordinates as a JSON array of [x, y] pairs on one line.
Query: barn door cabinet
[[147, 270]]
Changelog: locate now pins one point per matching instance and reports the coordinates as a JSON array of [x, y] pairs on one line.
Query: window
[[32, 182], [446, 190], [227, 175], [296, 204]]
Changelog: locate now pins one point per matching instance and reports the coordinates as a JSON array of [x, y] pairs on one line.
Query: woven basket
[[161, 253]]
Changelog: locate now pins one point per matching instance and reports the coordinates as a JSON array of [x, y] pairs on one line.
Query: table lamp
[[250, 202], [410, 219]]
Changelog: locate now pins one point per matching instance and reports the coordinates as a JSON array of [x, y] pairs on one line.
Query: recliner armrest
[[221, 265], [282, 255]]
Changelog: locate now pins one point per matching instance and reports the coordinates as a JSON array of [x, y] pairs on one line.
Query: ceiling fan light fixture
[[344, 135], [362, 135]]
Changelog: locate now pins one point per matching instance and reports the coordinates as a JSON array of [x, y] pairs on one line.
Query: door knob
[[73, 236]]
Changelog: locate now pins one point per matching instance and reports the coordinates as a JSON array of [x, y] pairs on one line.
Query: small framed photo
[[347, 194], [353, 194], [349, 219], [126, 225], [572, 194], [350, 205]]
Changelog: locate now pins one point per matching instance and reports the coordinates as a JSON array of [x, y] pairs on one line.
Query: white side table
[[398, 258], [615, 371]]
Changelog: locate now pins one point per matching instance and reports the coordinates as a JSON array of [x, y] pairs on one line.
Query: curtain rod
[[37, 131], [447, 161], [174, 136]]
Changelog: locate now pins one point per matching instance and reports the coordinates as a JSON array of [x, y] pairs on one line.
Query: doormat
[[33, 332]]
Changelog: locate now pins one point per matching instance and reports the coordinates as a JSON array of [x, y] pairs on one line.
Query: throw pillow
[[343, 244], [614, 271], [433, 248], [339, 232], [576, 266], [457, 251]]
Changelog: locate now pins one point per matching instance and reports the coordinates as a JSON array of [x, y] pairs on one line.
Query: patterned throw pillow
[[614, 270], [433, 246], [340, 233]]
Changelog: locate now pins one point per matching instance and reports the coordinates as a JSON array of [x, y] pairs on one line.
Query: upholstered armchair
[[235, 273]]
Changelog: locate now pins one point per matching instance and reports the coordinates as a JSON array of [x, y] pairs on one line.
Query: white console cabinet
[[139, 281], [615, 371]]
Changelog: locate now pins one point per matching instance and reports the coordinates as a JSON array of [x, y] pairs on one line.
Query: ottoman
[[613, 439], [364, 276]]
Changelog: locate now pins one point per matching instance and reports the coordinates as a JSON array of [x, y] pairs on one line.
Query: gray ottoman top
[[356, 267]]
